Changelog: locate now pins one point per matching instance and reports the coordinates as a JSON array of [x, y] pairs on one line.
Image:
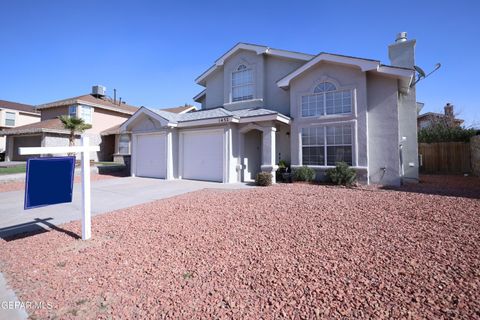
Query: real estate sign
[[49, 181]]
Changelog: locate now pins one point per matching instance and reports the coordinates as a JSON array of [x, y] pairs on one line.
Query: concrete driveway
[[107, 195]]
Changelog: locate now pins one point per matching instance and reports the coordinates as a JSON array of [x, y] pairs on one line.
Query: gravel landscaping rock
[[288, 251]]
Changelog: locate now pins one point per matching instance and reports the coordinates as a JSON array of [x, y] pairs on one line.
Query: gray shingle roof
[[214, 113]]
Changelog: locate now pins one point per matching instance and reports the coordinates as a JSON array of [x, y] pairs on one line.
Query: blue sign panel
[[49, 181]]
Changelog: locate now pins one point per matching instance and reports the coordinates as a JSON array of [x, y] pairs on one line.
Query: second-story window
[[10, 118], [72, 111], [242, 84], [327, 100], [86, 114]]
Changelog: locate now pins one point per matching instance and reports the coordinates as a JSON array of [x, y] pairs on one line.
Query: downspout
[[402, 170]]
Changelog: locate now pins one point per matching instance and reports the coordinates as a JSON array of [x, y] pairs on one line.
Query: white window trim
[[80, 113], [14, 118], [324, 115], [253, 84], [354, 144], [129, 144], [75, 113]]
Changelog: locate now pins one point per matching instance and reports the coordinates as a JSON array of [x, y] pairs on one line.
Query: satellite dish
[[421, 73]]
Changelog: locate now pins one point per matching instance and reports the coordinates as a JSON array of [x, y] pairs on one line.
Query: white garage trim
[[135, 151], [225, 149]]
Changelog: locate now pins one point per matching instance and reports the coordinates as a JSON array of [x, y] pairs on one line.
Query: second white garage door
[[150, 156], [203, 155]]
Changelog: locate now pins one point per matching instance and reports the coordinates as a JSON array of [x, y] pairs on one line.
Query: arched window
[[327, 100], [243, 83], [324, 87]]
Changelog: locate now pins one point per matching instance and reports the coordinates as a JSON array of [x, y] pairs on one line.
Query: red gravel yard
[[288, 251]]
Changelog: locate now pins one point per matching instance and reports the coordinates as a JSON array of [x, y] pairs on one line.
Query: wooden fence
[[444, 157]]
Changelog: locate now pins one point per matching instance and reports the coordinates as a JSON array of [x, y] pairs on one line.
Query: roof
[[214, 114], [362, 63], [259, 49], [182, 109], [208, 116], [200, 95], [18, 106], [176, 110], [88, 99], [50, 125], [438, 115]]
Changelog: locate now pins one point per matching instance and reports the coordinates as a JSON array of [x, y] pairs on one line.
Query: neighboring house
[[96, 109], [261, 105], [13, 114], [448, 117]]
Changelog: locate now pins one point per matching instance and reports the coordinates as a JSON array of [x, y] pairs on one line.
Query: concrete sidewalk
[[107, 195]]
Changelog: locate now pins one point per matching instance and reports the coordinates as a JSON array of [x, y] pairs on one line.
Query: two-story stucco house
[[261, 105], [95, 108], [13, 114]]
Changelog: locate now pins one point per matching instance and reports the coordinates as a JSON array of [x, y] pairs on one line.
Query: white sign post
[[85, 150]]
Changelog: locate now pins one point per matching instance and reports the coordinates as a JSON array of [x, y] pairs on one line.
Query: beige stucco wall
[[21, 119], [104, 119]]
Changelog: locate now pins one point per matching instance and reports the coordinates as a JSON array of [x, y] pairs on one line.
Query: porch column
[[268, 151], [9, 148]]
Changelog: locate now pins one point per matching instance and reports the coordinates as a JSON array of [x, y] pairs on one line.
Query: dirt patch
[[288, 251]]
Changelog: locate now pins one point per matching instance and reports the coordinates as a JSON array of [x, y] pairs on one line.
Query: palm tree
[[75, 125]]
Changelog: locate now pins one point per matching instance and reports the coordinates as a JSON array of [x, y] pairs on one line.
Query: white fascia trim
[[289, 54], [258, 50], [148, 112], [199, 95], [35, 114], [241, 46], [269, 117], [403, 73], [364, 65], [188, 110], [218, 120]]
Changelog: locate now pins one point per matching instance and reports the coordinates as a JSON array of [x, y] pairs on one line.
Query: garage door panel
[[151, 156], [203, 156]]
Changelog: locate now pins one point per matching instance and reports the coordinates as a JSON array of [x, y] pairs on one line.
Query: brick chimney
[[402, 52], [449, 110]]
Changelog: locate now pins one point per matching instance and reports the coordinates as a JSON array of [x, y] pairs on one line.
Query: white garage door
[[150, 156], [203, 155]]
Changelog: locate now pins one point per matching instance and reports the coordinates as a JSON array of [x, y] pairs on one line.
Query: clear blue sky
[[152, 51]]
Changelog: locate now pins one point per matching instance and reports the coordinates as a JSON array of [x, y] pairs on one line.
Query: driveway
[[107, 195]]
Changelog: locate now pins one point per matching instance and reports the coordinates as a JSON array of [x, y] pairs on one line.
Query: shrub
[[264, 179], [304, 174], [342, 174], [441, 132], [282, 164]]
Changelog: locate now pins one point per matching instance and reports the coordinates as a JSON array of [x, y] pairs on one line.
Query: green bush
[[304, 174], [342, 174], [441, 132], [282, 164], [263, 179]]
